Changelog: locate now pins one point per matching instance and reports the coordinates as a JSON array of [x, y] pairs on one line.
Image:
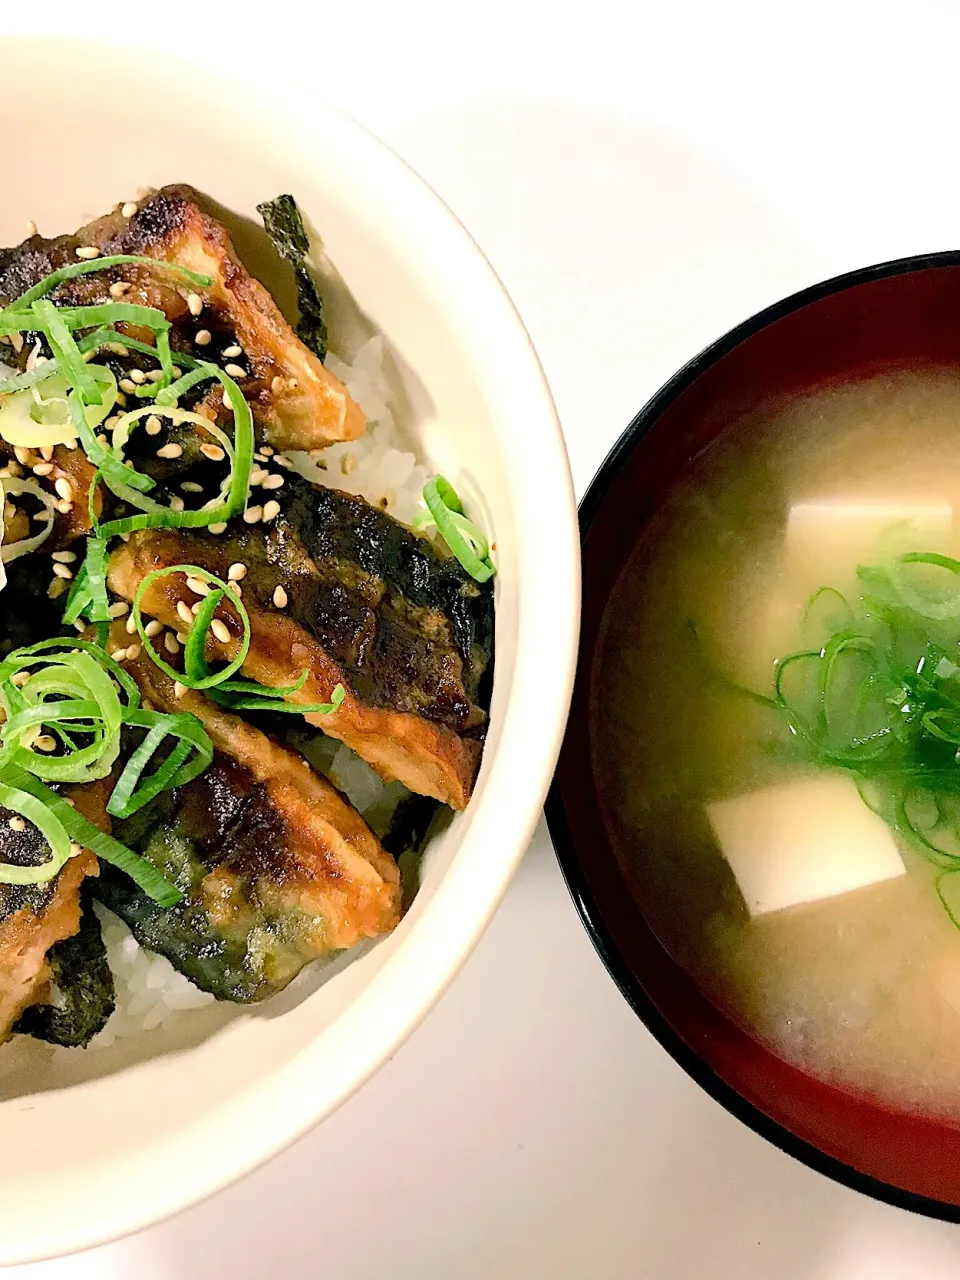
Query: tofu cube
[[803, 841], [827, 540]]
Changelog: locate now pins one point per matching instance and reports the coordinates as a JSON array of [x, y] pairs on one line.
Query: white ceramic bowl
[[90, 1152]]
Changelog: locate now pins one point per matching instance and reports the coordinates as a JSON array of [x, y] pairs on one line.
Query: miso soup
[[776, 711]]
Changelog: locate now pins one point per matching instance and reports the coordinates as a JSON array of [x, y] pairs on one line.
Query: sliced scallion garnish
[[464, 538], [50, 827], [83, 832], [196, 673], [88, 267]]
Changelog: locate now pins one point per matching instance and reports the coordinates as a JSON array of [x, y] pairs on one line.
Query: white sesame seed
[[212, 451], [63, 571], [129, 209], [64, 488], [155, 375], [75, 850], [282, 460], [181, 637], [118, 655], [277, 384], [198, 586], [177, 503], [171, 450], [273, 482], [191, 486], [235, 370], [183, 612], [271, 510], [237, 571], [45, 742], [16, 823], [31, 228], [153, 628], [170, 642], [154, 425], [46, 452], [20, 678], [119, 288], [231, 352], [347, 463], [219, 527], [56, 588], [280, 598], [79, 624], [179, 689], [64, 506], [130, 625], [16, 341], [267, 450], [220, 630], [258, 475], [195, 607], [194, 303], [128, 385], [22, 455], [43, 468], [202, 337], [121, 400], [260, 456], [87, 251], [133, 653], [118, 609], [252, 515], [138, 376], [235, 588]]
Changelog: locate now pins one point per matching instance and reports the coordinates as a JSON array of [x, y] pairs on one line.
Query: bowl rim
[[368, 1031], [572, 865]]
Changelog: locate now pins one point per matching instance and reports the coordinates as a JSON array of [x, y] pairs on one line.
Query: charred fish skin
[[244, 928], [28, 612], [84, 991], [410, 630], [177, 833]]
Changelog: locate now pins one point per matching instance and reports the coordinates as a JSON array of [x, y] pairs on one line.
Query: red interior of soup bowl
[[904, 314]]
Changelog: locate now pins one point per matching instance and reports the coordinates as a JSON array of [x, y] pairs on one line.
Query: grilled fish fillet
[[276, 867], [34, 917], [296, 402], [369, 605]]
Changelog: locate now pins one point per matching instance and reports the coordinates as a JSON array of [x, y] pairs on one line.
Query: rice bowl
[[225, 1096]]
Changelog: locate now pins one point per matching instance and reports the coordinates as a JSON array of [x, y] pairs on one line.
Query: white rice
[[150, 992], [378, 466]]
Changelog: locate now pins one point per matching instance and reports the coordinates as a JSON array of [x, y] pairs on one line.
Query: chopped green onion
[[55, 278], [238, 487], [132, 792], [84, 833], [66, 352], [49, 826], [244, 703], [198, 634], [465, 539]]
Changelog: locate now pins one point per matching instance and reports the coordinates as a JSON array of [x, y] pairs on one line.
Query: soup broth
[[859, 987]]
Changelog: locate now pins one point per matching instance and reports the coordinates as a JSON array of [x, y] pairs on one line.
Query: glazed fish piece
[[296, 402], [366, 603], [275, 866], [33, 918]]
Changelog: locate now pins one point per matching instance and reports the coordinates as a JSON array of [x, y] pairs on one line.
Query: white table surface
[[642, 176]]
